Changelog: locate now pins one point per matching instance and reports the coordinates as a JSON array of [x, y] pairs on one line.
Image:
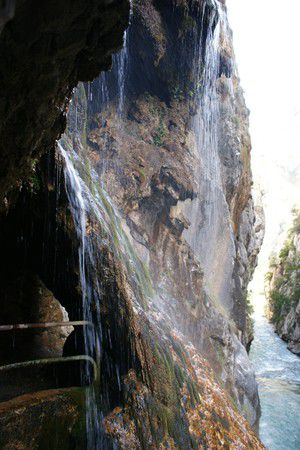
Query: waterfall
[[91, 207], [76, 191], [99, 224], [210, 234]]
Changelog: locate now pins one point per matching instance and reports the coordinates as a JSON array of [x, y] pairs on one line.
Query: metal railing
[[26, 326], [49, 361]]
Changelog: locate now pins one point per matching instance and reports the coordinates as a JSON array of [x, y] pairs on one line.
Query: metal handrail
[[49, 361], [25, 326]]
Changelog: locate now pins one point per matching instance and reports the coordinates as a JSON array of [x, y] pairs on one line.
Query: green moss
[[287, 247], [286, 290], [273, 261], [158, 113], [178, 349], [278, 302], [179, 374], [268, 276], [158, 137], [177, 92], [34, 183], [142, 174], [188, 23], [296, 223], [222, 420], [193, 391]]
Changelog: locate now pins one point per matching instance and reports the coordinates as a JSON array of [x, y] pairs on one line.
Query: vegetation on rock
[[283, 288]]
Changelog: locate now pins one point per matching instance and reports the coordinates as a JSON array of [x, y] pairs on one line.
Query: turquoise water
[[278, 376]]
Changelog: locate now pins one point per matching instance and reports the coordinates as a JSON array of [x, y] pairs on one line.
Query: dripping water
[[92, 208], [210, 233], [91, 205]]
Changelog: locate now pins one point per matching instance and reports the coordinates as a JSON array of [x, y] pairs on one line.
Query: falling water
[[91, 205], [76, 194], [121, 61], [98, 222], [92, 208], [210, 233]]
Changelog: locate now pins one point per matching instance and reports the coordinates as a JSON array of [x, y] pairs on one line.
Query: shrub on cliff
[[283, 279], [296, 224]]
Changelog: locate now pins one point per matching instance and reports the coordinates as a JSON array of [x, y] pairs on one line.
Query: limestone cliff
[[140, 222], [283, 289], [186, 201]]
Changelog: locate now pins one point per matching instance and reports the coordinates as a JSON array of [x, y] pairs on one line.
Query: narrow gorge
[[128, 228]]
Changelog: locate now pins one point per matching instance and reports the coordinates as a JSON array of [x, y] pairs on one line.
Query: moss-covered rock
[[283, 289]]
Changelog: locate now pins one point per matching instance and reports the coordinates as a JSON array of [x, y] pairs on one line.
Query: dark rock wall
[[7, 11], [45, 50]]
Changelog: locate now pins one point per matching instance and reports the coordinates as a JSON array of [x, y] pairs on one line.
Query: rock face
[[6, 12], [44, 52], [290, 330], [60, 427], [251, 235], [29, 301], [149, 232], [185, 198], [283, 290]]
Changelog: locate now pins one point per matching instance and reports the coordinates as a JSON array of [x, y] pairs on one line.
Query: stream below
[[278, 375]]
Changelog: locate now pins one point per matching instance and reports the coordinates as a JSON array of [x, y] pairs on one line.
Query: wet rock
[[26, 300], [155, 175], [6, 12], [44, 52], [149, 184], [169, 378], [49, 419]]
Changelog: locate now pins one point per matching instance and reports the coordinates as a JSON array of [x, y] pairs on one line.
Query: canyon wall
[[141, 222], [283, 289], [175, 159]]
